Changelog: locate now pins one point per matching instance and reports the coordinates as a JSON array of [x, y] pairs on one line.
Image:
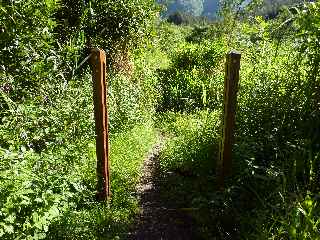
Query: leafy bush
[[93, 220], [48, 166], [274, 190], [121, 23], [278, 128], [170, 37], [27, 43], [47, 137], [124, 103], [192, 81], [190, 146], [39, 192], [276, 109]]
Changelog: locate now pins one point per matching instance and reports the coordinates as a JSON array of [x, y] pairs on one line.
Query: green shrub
[[276, 154], [193, 82], [48, 160], [48, 172], [192, 141], [93, 220]]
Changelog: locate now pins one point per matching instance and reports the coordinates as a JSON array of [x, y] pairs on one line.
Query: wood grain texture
[[231, 82], [98, 63]]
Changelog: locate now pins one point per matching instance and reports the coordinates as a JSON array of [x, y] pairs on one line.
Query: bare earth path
[[156, 221]]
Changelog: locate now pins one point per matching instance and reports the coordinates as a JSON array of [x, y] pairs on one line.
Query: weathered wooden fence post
[[98, 63], [231, 81]]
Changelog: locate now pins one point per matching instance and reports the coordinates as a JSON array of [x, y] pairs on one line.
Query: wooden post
[[231, 81], [98, 63]]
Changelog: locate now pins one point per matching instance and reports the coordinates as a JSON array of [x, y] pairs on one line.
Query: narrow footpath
[[156, 221]]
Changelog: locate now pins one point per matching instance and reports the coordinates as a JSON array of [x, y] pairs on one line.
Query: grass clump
[[276, 153], [48, 167], [112, 220]]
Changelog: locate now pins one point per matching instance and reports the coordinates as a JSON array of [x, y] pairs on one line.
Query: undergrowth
[[172, 81], [48, 167], [273, 193]]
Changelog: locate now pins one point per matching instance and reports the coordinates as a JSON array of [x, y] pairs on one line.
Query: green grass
[[48, 170], [42, 196], [276, 153], [93, 220], [47, 149], [192, 140], [187, 168]]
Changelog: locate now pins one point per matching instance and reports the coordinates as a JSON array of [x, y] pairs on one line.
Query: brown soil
[[156, 220]]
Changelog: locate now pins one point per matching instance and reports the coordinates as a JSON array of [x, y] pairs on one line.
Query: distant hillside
[[193, 7], [273, 6], [209, 8]]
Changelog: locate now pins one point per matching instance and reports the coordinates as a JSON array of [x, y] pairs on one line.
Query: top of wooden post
[[97, 55], [234, 53], [98, 50]]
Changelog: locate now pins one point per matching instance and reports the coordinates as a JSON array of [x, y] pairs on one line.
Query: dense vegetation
[[164, 80]]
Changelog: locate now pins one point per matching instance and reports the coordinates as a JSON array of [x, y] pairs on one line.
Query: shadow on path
[[157, 219]]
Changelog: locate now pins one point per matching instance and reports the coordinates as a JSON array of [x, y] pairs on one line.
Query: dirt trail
[[156, 221]]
